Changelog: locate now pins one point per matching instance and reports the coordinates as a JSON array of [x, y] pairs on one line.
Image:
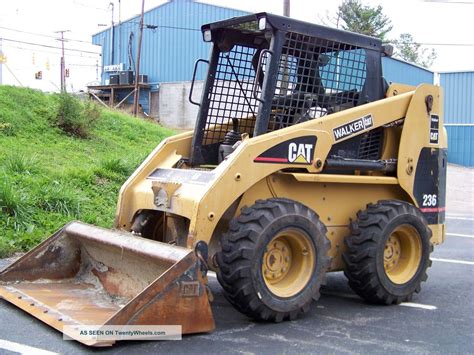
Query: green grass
[[48, 178]]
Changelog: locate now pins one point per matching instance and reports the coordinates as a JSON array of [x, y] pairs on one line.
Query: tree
[[353, 16], [407, 49]]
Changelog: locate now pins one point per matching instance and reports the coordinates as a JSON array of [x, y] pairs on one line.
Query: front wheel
[[273, 259], [388, 252]]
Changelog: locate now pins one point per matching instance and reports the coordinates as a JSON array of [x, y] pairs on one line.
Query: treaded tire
[[244, 245], [364, 257]]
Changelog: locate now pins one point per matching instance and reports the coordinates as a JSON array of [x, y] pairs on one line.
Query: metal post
[[112, 36], [269, 84], [119, 55], [286, 8], [63, 62], [136, 95], [63, 65]]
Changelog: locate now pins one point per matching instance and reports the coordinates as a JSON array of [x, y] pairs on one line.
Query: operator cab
[[269, 72]]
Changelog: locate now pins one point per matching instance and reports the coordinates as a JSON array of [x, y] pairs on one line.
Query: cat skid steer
[[303, 161]]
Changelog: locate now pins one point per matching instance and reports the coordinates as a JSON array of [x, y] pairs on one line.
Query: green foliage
[[14, 206], [56, 197], [113, 169], [10, 203], [74, 117], [116, 165], [353, 16], [48, 178], [21, 164], [407, 49], [6, 129]]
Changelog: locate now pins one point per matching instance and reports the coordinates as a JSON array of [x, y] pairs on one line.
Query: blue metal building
[[170, 50], [459, 116], [458, 104], [399, 71], [171, 43]]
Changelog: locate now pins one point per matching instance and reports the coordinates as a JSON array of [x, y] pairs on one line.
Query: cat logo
[[299, 150], [434, 129], [300, 153]]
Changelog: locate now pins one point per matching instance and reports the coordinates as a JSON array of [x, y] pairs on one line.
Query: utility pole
[[286, 8], [111, 5], [119, 33], [63, 62], [136, 94]]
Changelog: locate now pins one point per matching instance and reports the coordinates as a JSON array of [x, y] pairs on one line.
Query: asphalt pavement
[[440, 319]]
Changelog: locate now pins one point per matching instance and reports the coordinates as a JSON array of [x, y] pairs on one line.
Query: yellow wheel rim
[[402, 254], [288, 263]]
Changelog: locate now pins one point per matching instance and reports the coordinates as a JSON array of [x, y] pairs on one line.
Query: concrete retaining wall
[[174, 108]]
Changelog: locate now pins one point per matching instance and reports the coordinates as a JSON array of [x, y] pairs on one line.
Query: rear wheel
[[388, 252], [273, 259]]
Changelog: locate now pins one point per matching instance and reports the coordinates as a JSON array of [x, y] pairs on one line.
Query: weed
[[75, 118], [58, 198], [88, 172], [116, 165], [14, 206], [6, 129], [92, 111], [21, 164]]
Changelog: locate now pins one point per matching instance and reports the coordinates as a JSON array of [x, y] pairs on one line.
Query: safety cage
[[268, 72]]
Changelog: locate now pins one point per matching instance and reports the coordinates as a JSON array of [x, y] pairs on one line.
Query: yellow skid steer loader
[[303, 161]]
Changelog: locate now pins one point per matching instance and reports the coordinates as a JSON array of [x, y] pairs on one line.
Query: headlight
[[207, 36], [262, 23]]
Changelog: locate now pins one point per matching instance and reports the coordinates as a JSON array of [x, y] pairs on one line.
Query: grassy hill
[[49, 177]]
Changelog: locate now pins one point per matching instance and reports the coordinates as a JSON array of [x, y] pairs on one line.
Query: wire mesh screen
[[231, 94], [316, 77]]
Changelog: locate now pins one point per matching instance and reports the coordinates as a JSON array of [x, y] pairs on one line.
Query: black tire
[[245, 247], [378, 270]]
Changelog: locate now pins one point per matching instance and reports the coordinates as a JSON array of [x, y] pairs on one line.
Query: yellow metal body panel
[[137, 193], [239, 181], [335, 202]]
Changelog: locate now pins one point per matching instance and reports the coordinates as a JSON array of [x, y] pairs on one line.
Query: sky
[[435, 22]]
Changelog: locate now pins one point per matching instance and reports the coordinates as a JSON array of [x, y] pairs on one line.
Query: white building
[[35, 61]]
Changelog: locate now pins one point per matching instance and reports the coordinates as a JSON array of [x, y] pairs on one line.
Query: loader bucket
[[86, 275]]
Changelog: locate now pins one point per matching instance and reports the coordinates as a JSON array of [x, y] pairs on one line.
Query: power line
[[451, 2], [177, 28], [447, 44], [439, 44], [42, 35], [83, 65], [48, 46], [55, 66], [154, 27], [50, 52], [90, 7]]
